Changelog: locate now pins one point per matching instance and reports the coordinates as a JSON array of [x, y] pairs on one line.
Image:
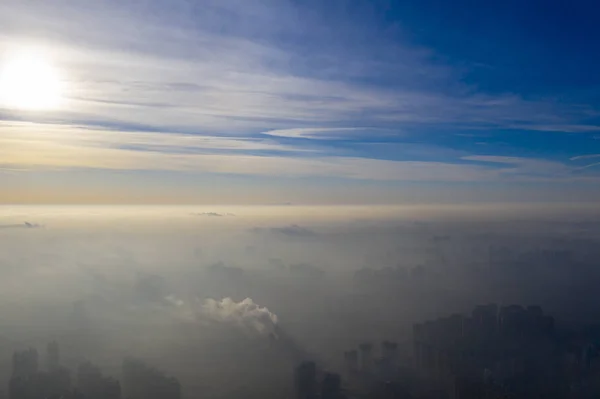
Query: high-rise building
[[305, 380], [93, 385], [331, 387], [351, 362], [366, 356], [144, 382], [512, 319], [495, 350], [58, 380], [28, 382], [388, 364], [485, 319], [389, 351], [25, 363]]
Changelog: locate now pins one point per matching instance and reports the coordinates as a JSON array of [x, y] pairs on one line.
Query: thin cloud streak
[[332, 133], [526, 168], [31, 134], [589, 166], [38, 146], [575, 128], [587, 156], [67, 148]]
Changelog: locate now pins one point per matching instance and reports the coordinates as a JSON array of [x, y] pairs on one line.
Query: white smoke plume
[[245, 314]]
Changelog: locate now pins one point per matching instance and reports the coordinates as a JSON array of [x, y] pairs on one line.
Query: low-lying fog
[[228, 299]]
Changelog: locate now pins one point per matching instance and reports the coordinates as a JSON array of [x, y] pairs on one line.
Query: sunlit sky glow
[[276, 101], [29, 81]]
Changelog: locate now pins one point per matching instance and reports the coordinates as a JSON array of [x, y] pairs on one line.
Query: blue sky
[[320, 101]]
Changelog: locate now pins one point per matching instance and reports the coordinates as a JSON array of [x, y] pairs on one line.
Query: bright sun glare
[[29, 81]]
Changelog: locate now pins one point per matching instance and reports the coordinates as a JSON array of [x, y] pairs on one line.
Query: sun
[[29, 81]]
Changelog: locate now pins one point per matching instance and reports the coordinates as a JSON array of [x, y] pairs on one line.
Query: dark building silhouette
[[28, 382], [366, 356], [381, 374], [389, 350], [93, 385], [331, 387], [485, 319], [144, 382], [389, 390], [25, 363], [24, 380], [305, 380], [313, 384], [510, 351], [351, 362]]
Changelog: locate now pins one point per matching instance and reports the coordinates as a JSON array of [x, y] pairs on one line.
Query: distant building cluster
[[29, 381], [144, 382], [376, 371], [508, 351], [93, 385], [364, 362], [370, 372], [312, 384], [496, 352], [507, 255]]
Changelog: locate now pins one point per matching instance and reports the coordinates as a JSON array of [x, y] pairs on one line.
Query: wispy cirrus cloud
[[207, 73], [586, 156], [60, 147], [40, 146], [332, 133], [525, 168], [574, 128], [529, 162], [592, 165], [252, 89], [25, 135]]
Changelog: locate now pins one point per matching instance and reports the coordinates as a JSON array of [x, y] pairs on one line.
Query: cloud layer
[[253, 89]]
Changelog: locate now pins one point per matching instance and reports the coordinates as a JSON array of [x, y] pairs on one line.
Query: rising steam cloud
[[245, 314]]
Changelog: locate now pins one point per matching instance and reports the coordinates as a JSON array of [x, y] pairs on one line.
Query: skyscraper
[[141, 381], [25, 363], [331, 387], [366, 356], [351, 362], [28, 382], [305, 380], [93, 385]]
